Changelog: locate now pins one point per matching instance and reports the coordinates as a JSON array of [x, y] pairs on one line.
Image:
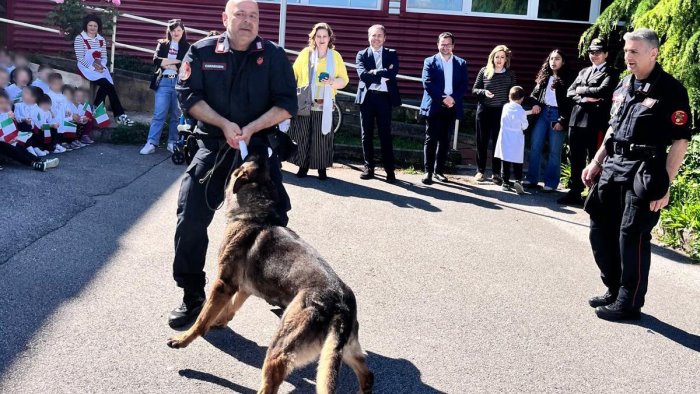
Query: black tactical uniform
[[588, 119], [240, 86], [646, 117]]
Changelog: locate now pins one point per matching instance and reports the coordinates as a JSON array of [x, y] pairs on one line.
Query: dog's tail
[[331, 356]]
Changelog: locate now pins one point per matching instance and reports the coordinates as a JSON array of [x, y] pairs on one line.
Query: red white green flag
[[101, 116]]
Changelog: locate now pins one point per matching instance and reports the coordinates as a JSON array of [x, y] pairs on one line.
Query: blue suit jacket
[[434, 84], [390, 67]]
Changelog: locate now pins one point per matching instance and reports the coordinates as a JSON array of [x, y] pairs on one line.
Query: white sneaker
[[40, 152], [59, 149], [32, 151], [171, 147], [548, 189], [148, 149], [51, 163], [480, 177]]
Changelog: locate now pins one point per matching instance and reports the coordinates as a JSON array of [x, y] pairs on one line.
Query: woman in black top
[[491, 87], [167, 59], [550, 102]]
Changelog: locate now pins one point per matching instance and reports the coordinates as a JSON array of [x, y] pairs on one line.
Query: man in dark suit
[[377, 93], [592, 93], [444, 83]]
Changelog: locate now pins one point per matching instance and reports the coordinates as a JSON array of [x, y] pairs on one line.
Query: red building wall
[[412, 34]]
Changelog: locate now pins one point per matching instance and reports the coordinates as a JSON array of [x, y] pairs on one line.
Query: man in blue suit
[[444, 83], [377, 93]]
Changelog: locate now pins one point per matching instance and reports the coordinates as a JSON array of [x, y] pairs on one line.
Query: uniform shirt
[[14, 92], [655, 112], [240, 90], [25, 111], [594, 82], [58, 105], [42, 85]]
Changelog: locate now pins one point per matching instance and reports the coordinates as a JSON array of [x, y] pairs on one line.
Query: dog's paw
[[176, 343]]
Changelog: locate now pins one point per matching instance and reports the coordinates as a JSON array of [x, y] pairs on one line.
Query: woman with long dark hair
[[554, 108], [167, 59], [91, 53], [491, 87]]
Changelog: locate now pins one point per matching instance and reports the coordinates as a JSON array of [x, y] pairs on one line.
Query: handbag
[[304, 99]]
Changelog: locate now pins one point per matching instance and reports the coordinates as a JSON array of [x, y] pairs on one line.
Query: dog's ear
[[243, 175]]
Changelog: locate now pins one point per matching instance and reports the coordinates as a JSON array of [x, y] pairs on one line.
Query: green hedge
[[680, 221]]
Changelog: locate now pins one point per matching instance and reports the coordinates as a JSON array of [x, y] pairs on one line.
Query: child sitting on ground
[[510, 145], [72, 115], [42, 79], [26, 112], [11, 148], [86, 123], [4, 78], [47, 125], [20, 78]]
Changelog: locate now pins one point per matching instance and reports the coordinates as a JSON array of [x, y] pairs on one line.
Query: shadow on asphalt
[[681, 337], [66, 264], [390, 375]]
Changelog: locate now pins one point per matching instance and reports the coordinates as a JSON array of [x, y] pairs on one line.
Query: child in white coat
[[510, 146]]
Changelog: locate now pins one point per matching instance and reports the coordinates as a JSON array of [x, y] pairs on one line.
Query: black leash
[[207, 177]]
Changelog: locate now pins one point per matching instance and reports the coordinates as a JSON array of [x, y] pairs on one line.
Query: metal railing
[[116, 44]]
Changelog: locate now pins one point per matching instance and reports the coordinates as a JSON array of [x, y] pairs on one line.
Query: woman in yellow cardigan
[[314, 133]]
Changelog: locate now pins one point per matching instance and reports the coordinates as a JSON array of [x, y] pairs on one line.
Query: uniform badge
[[679, 118], [260, 61], [185, 71], [649, 102]]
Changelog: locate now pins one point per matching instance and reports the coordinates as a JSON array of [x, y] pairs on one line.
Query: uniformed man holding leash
[[238, 87]]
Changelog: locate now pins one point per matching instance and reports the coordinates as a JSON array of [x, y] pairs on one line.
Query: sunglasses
[[173, 22]]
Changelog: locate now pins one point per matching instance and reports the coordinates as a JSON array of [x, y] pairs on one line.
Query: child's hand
[[11, 115], [54, 125], [27, 120], [76, 118]]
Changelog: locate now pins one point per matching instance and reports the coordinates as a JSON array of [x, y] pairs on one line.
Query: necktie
[[378, 59]]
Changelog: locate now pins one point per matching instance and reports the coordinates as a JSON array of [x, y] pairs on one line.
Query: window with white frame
[[366, 4], [564, 10]]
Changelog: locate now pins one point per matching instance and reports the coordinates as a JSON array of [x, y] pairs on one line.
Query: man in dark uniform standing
[[238, 87], [592, 93], [650, 111]]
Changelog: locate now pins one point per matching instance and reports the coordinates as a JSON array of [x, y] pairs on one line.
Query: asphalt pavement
[[461, 288]]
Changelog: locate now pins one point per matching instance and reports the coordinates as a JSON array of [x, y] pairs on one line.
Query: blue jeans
[[166, 102], [543, 129]]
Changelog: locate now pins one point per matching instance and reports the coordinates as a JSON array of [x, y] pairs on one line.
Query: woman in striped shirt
[[491, 87], [91, 53]]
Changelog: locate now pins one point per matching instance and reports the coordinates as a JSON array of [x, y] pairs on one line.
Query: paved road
[[461, 288]]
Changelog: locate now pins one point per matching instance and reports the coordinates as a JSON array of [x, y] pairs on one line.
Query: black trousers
[[488, 126], [106, 89], [517, 168], [194, 215], [437, 139], [583, 144], [19, 155], [620, 236], [377, 107]]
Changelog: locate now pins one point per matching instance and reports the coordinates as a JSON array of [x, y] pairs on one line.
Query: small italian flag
[[101, 116], [85, 110], [9, 129], [23, 137], [68, 129], [17, 99], [46, 129]]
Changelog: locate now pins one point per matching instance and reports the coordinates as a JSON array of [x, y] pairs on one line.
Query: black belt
[[634, 151]]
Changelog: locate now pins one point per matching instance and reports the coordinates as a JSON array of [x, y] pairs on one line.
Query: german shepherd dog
[[259, 257]]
